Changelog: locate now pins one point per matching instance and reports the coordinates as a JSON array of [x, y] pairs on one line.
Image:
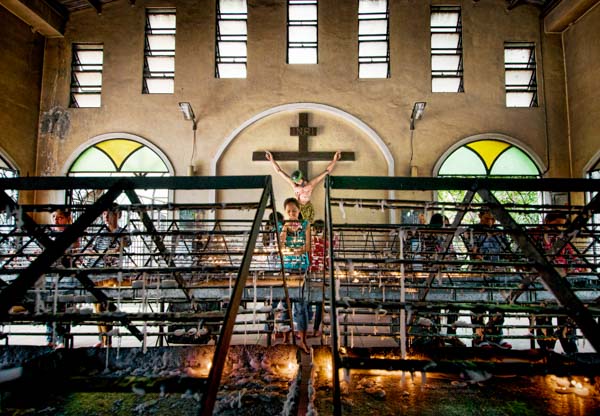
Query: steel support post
[[222, 347], [335, 355]]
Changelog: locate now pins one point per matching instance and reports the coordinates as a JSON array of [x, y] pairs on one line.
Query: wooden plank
[[307, 156]]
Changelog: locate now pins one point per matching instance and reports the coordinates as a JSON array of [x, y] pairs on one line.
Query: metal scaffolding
[[416, 283]]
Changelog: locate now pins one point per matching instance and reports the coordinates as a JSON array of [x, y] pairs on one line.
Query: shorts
[[301, 315]]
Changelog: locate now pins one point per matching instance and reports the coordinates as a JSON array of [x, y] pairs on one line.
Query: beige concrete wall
[[582, 57], [20, 83], [384, 105]]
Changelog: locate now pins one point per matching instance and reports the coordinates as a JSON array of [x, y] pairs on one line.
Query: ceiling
[[71, 6]]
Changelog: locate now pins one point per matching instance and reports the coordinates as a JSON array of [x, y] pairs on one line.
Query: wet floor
[[382, 394]]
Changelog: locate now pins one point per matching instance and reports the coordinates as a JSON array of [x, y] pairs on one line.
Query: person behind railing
[[485, 242], [295, 239], [555, 222], [56, 331], [108, 246]]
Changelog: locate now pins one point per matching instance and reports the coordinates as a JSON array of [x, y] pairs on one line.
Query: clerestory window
[[373, 39], [231, 55], [86, 75], [159, 51], [520, 77], [302, 32], [446, 49]]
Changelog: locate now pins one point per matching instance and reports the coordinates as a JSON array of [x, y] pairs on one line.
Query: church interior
[[300, 207]]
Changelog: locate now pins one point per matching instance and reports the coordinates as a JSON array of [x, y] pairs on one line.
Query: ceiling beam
[[96, 4], [40, 15], [514, 3], [566, 13]]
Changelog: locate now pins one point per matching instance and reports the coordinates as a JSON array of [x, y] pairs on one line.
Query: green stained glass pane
[[144, 160], [93, 160], [463, 161], [514, 162]]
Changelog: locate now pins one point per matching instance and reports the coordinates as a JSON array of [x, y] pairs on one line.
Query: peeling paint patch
[[56, 122]]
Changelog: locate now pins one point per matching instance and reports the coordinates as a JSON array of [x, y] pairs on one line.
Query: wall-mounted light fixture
[[417, 113], [188, 114]]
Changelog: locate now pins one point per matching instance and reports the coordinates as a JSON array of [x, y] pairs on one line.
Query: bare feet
[[303, 347]]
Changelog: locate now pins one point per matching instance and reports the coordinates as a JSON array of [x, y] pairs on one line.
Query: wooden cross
[[303, 156]]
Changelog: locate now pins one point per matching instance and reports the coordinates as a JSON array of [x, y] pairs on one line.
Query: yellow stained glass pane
[[488, 150], [118, 149]]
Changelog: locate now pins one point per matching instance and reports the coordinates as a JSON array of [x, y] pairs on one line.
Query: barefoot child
[[295, 239]]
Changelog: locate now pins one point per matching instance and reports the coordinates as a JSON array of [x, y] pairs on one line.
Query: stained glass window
[[8, 171], [492, 157], [120, 157], [594, 172]]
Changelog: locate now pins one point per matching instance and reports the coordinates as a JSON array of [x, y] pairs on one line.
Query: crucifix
[[303, 156]]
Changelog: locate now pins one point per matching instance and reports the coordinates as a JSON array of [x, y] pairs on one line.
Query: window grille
[[159, 52], [373, 39], [446, 49], [302, 32], [86, 75], [520, 77], [231, 55]]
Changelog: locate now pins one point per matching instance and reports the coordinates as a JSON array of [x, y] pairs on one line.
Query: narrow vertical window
[[520, 78], [159, 52], [86, 75], [373, 39], [231, 53], [446, 49], [302, 32]]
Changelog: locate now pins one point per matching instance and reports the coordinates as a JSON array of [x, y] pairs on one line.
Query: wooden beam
[[566, 13], [304, 156], [40, 15]]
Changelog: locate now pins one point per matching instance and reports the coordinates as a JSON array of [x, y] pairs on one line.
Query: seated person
[[485, 241], [488, 333]]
